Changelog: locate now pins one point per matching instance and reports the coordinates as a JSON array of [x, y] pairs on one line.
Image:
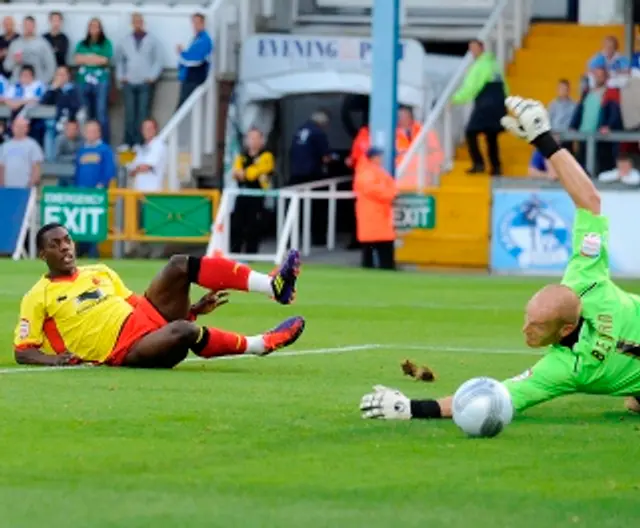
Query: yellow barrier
[[131, 202], [460, 236]]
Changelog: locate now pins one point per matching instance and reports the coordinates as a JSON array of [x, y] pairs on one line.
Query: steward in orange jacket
[[361, 144], [375, 191]]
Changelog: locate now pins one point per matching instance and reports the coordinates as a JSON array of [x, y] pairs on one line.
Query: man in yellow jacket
[[252, 169], [375, 191]]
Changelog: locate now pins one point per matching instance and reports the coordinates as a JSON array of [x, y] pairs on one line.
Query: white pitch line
[[308, 352]]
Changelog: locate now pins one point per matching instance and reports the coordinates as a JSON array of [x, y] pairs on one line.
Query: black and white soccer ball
[[482, 407]]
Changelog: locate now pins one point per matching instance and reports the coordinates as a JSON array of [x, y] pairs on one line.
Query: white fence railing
[[502, 33], [291, 216]]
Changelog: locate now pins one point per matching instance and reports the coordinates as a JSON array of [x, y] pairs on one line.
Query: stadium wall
[[458, 236]]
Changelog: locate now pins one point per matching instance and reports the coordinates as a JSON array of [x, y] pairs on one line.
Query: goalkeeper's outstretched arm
[[575, 181], [529, 120]]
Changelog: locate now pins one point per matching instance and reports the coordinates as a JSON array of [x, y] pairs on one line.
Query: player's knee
[[632, 404], [179, 264], [183, 333]]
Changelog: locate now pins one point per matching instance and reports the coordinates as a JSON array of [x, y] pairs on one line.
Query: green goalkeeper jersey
[[602, 356]]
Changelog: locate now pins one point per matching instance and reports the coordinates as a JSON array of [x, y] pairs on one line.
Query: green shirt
[[591, 107], [605, 355], [485, 69], [94, 74]]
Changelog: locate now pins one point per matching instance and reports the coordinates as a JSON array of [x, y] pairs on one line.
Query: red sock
[[221, 274], [216, 343]]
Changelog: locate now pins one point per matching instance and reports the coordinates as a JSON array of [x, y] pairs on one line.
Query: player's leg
[[367, 255], [168, 346], [169, 290]]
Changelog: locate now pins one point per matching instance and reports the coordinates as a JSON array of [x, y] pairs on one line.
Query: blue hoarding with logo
[[531, 231], [13, 207]]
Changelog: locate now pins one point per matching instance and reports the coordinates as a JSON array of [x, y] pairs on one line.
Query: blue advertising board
[[13, 206], [531, 231]]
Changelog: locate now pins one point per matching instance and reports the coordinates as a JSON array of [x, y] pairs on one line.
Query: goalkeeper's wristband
[[425, 409], [546, 145]]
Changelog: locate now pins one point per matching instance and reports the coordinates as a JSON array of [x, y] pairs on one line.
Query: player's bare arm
[[530, 121], [33, 356]]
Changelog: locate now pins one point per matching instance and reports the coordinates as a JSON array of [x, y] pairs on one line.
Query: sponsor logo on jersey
[[24, 328], [526, 374], [591, 244]]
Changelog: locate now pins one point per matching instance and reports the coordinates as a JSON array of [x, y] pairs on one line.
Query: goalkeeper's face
[[551, 314]]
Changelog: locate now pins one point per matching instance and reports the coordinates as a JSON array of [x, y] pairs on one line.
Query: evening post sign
[[82, 211]]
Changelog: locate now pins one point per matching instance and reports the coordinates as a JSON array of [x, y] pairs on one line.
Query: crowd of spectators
[[609, 102], [79, 80]]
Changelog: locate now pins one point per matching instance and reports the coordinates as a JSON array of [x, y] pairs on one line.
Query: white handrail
[[200, 105], [441, 108], [320, 183]]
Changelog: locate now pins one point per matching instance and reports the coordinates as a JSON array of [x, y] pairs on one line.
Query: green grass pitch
[[278, 441]]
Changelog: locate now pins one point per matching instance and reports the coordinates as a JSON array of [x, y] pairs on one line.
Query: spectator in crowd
[[309, 156], [4, 88], [8, 36], [31, 50], [139, 63], [624, 172], [561, 109], [58, 41], [24, 94], [65, 95], [252, 169], [21, 158], [194, 62], [147, 171], [375, 191], [588, 118], [484, 85], [95, 160], [540, 168], [608, 55], [95, 168], [68, 144], [148, 168], [93, 55], [309, 151]]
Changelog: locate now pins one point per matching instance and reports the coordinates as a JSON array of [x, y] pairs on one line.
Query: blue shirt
[[193, 64], [95, 165], [538, 161], [310, 144]]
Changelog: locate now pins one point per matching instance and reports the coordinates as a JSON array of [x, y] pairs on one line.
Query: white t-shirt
[[18, 157], [153, 154], [632, 178]]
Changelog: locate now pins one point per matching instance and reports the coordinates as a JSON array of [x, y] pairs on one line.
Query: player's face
[[59, 251], [539, 331]]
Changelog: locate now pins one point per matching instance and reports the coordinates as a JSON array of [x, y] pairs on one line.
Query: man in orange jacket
[[375, 191]]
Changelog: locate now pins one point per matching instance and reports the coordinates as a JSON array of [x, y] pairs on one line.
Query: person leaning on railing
[[484, 85], [252, 170]]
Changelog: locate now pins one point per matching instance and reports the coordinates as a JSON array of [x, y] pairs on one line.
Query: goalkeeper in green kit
[[590, 326]]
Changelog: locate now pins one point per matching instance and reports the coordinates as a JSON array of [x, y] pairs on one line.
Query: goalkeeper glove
[[530, 121], [386, 403]]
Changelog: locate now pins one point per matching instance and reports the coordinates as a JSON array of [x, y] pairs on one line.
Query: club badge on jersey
[[591, 244]]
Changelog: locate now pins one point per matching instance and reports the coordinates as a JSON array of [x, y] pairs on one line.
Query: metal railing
[[308, 192], [293, 217], [591, 141], [449, 122]]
